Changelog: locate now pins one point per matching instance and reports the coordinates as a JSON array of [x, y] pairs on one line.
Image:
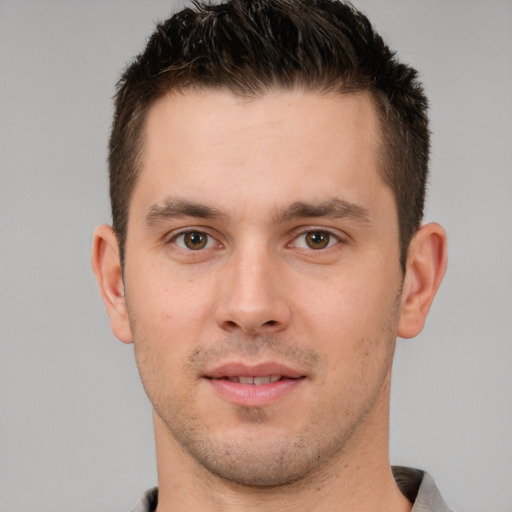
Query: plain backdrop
[[75, 425]]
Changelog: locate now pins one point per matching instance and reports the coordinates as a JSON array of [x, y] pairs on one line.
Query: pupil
[[195, 240]]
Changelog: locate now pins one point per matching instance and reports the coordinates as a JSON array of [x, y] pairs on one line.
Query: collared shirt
[[416, 485]]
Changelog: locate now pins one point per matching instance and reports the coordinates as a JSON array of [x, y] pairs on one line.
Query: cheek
[[165, 328], [163, 298], [352, 320], [166, 321], [349, 304]]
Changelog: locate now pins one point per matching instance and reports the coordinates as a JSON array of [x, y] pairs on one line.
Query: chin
[[258, 455], [251, 465]]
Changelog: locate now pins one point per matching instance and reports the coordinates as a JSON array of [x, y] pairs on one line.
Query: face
[[262, 280]]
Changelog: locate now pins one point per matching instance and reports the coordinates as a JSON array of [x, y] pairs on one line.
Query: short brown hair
[[250, 47]]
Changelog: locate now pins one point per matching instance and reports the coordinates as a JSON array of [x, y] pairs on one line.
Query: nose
[[251, 294]]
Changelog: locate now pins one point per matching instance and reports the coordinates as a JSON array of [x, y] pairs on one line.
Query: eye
[[316, 240], [193, 240]]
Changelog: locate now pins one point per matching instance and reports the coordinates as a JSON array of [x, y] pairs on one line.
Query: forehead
[[217, 146]]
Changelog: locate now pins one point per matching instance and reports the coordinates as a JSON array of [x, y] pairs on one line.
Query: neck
[[356, 480]]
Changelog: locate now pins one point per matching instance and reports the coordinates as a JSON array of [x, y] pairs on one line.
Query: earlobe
[[426, 265], [106, 265]]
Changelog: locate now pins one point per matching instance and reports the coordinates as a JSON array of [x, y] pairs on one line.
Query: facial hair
[[261, 454]]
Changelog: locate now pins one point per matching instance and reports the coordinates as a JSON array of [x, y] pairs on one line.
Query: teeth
[[261, 380], [255, 380]]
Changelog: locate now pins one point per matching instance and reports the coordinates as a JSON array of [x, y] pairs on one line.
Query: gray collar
[[419, 488]]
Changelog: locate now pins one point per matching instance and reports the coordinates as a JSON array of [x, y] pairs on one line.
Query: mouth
[[255, 381], [254, 385], [262, 373]]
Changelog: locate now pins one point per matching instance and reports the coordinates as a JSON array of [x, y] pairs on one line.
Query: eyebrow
[[334, 208], [172, 209]]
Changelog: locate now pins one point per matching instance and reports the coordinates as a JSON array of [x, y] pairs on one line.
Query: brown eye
[[193, 240], [318, 239]]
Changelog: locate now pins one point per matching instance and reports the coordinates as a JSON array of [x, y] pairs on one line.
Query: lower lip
[[251, 395]]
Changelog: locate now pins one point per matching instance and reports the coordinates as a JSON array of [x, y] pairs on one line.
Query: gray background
[[75, 426]]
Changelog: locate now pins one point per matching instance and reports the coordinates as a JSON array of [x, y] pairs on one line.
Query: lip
[[257, 370], [250, 395]]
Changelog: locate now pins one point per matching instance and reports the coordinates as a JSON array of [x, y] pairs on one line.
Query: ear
[[426, 265], [106, 264]]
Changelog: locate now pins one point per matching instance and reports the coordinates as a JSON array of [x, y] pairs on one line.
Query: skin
[[260, 182]]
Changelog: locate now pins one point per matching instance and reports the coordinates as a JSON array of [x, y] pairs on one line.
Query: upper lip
[[234, 369]]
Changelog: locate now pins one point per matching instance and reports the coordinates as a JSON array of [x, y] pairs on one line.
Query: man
[[268, 162]]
